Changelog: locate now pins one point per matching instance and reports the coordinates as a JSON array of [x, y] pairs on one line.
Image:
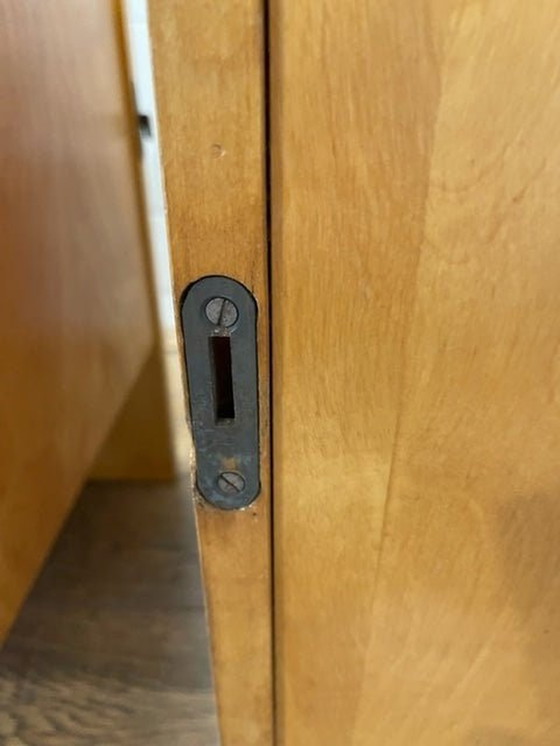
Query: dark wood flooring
[[111, 647]]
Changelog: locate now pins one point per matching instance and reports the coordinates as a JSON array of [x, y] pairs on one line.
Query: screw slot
[[231, 483], [221, 312]]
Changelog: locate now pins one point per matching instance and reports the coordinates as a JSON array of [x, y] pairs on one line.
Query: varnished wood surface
[[75, 319], [139, 444], [416, 411], [351, 142], [209, 68], [111, 648]]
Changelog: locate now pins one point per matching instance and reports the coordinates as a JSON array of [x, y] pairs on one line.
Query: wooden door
[[209, 75], [413, 190], [80, 364], [416, 371]]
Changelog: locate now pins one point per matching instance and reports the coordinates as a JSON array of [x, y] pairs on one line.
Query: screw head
[[231, 483], [221, 312]]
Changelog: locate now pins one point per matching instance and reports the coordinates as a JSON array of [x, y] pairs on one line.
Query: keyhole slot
[[220, 357]]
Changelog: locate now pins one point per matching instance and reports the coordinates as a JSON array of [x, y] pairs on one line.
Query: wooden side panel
[[465, 633], [353, 96], [139, 445], [75, 322], [209, 81], [417, 418]]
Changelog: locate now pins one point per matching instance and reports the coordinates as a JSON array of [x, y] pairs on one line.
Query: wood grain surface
[[111, 647], [348, 196], [75, 320], [415, 187], [209, 69], [139, 444]]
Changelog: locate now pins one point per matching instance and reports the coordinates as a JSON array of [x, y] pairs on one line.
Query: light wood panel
[[75, 322], [352, 125], [467, 617], [417, 420], [139, 444], [209, 82]]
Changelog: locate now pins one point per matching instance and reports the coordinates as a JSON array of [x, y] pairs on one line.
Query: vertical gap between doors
[[268, 238]]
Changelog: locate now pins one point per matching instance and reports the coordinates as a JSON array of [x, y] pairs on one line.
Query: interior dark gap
[[220, 355]]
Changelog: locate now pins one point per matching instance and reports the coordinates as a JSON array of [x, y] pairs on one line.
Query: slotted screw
[[231, 483], [221, 312]]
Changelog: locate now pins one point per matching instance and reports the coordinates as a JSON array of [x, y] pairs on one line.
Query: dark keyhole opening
[[220, 354]]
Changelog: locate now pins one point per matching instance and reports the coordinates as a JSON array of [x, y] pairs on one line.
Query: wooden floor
[[111, 647]]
